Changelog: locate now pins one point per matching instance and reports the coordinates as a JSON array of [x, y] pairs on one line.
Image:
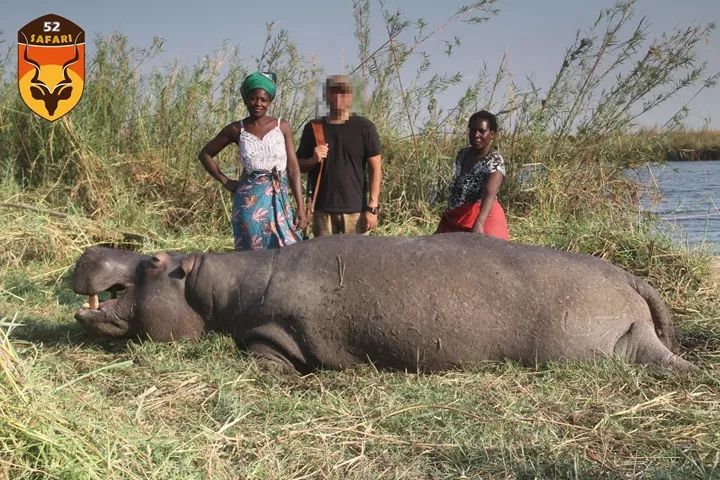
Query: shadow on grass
[[532, 465], [699, 338], [63, 333]]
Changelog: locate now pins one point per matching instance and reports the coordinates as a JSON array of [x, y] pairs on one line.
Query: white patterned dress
[[262, 215]]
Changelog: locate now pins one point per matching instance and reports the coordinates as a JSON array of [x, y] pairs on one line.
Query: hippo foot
[[678, 364], [270, 360]]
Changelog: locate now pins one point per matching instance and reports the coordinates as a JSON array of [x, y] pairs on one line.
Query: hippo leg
[[274, 347], [640, 344], [269, 358]]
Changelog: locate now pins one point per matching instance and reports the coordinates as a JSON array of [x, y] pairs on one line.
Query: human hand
[[320, 152], [231, 185], [301, 221], [478, 228], [370, 221]]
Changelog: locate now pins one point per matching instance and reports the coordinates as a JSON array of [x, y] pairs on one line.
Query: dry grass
[[200, 410], [73, 408], [121, 171]]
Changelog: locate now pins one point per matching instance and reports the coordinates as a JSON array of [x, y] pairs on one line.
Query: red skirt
[[462, 219]]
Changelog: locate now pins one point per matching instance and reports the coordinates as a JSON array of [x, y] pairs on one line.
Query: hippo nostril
[[155, 260]]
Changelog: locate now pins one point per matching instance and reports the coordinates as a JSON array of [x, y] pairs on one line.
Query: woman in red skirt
[[479, 172]]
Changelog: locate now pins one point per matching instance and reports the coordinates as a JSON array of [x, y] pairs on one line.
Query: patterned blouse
[[470, 186]]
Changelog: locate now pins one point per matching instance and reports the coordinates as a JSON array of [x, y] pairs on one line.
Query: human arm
[[310, 155], [492, 187], [374, 165], [207, 155], [293, 171]]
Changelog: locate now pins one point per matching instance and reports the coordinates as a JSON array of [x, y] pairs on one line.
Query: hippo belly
[[421, 306]]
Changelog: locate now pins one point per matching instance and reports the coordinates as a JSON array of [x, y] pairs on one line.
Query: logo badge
[[51, 65]]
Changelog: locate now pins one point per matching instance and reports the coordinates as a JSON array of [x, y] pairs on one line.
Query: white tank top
[[262, 154]]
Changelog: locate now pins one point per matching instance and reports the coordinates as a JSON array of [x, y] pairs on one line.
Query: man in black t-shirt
[[347, 201]]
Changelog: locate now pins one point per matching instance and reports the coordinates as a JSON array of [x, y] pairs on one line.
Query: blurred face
[[479, 134], [258, 102], [339, 100]]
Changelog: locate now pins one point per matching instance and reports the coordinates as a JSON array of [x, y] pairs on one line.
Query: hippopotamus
[[419, 304]]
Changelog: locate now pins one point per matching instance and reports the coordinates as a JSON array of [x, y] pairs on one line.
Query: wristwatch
[[373, 210]]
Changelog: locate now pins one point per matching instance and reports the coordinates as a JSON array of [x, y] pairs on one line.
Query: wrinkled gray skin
[[418, 304]]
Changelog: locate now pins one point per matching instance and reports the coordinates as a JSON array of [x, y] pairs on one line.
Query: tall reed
[[121, 169], [133, 139]]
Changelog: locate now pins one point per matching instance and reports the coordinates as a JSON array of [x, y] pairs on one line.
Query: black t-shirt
[[343, 185]]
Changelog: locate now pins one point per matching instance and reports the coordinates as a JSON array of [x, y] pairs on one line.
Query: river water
[[688, 198]]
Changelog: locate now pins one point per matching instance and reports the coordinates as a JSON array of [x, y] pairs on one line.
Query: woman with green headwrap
[[262, 215]]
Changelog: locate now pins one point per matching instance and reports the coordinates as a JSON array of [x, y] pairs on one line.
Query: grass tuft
[[120, 171]]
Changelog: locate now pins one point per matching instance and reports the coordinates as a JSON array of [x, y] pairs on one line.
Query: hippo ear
[[187, 264], [184, 269]]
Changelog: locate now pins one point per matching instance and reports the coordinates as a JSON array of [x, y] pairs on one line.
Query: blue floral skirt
[[262, 215]]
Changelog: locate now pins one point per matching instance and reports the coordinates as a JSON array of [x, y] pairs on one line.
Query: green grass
[[71, 407], [120, 170], [201, 410]]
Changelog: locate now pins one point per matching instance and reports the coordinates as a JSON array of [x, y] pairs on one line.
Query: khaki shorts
[[330, 223]]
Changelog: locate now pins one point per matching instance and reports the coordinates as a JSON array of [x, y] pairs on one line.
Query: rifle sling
[[319, 134]]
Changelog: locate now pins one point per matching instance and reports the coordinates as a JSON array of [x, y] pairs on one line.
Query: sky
[[533, 35]]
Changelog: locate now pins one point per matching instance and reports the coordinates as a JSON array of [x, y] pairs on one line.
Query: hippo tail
[[661, 317]]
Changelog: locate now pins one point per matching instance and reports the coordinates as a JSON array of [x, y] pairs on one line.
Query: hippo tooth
[[94, 302], [85, 305]]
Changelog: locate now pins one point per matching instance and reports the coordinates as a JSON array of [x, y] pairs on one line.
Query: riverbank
[[693, 145], [120, 170], [689, 154], [686, 200]]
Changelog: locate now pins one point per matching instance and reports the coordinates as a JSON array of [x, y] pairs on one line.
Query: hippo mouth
[[103, 314], [108, 277], [94, 302]]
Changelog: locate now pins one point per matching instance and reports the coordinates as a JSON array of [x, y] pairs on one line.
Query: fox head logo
[[51, 65]]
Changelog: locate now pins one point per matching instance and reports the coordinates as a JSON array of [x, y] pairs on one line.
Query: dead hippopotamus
[[418, 304]]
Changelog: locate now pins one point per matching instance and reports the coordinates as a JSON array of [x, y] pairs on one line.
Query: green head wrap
[[257, 80]]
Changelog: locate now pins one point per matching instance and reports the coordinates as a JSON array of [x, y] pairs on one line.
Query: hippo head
[[147, 294]]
